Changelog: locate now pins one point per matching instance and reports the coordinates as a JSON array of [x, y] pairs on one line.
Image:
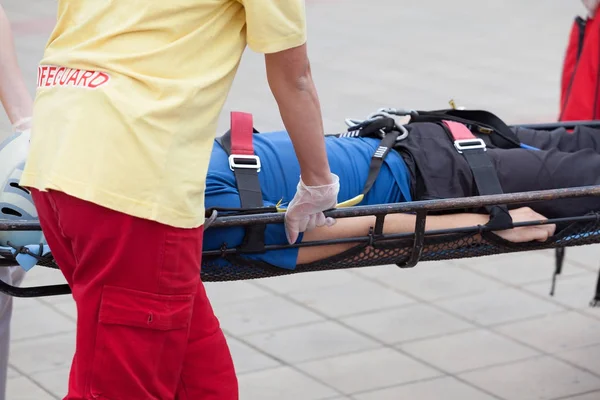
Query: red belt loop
[[241, 134], [458, 130]]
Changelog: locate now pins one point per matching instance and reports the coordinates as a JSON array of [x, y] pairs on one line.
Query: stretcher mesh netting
[[403, 250], [394, 251], [399, 251]]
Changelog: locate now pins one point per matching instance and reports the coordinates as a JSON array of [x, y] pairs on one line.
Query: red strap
[[241, 133], [459, 131]]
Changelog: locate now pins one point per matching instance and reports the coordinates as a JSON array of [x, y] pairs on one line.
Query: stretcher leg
[[559, 255], [596, 300]]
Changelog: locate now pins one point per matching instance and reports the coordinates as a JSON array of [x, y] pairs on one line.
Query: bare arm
[[291, 83], [405, 223], [13, 94]]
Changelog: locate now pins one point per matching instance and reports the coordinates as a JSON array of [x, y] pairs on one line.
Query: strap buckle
[[383, 113], [245, 162], [469, 144]]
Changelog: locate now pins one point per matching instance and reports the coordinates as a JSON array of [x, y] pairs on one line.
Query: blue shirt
[[349, 158]]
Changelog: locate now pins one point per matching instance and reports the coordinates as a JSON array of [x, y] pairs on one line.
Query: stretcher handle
[[415, 206]]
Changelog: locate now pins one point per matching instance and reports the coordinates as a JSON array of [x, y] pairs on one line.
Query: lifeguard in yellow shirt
[[124, 119]]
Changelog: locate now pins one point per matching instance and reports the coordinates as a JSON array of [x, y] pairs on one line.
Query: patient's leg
[[521, 170], [582, 137]]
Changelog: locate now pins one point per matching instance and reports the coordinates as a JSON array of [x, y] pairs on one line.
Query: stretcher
[[404, 250]]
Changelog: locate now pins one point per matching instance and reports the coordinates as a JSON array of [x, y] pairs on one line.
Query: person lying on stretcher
[[424, 165]]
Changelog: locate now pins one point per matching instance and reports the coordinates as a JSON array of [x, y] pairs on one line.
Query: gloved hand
[[305, 211]]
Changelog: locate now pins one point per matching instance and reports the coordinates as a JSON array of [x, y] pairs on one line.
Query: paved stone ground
[[473, 329]]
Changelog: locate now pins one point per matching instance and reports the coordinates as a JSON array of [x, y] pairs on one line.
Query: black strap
[[383, 128], [485, 124], [386, 144], [484, 174], [248, 185], [486, 180]]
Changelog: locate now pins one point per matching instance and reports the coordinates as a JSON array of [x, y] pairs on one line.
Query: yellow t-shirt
[[129, 93]]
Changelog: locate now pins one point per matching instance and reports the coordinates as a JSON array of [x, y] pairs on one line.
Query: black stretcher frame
[[416, 240]]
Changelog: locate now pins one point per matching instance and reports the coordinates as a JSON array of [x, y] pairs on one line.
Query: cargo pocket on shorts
[[140, 344]]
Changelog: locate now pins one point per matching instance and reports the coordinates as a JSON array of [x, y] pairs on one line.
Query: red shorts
[[145, 327]]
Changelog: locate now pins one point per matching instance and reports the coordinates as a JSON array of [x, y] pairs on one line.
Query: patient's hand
[[527, 233]]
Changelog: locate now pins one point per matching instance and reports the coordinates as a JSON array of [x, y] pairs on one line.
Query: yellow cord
[[348, 203], [351, 202]]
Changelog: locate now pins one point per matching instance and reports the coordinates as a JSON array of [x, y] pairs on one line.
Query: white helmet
[[16, 203]]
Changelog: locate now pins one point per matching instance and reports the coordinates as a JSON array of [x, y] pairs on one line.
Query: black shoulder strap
[[383, 128], [387, 143], [482, 122], [484, 173], [237, 143]]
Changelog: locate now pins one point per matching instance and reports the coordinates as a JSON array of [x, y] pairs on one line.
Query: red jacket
[[580, 84]]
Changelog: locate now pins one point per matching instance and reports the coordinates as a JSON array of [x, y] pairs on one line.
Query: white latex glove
[[305, 211], [591, 6]]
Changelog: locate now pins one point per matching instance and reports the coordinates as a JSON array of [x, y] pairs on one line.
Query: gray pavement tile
[[43, 276], [556, 332], [584, 357], [310, 342], [357, 296], [55, 381], [468, 351], [39, 322], [282, 383], [542, 378], [585, 256], [58, 299], [407, 323], [499, 306], [262, 314], [433, 281], [12, 373], [248, 359], [67, 308], [435, 389], [368, 370], [43, 354], [307, 281], [22, 388], [588, 396], [231, 292], [593, 312], [571, 291], [522, 268], [23, 304]]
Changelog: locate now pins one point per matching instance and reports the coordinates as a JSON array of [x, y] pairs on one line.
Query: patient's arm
[[405, 223]]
